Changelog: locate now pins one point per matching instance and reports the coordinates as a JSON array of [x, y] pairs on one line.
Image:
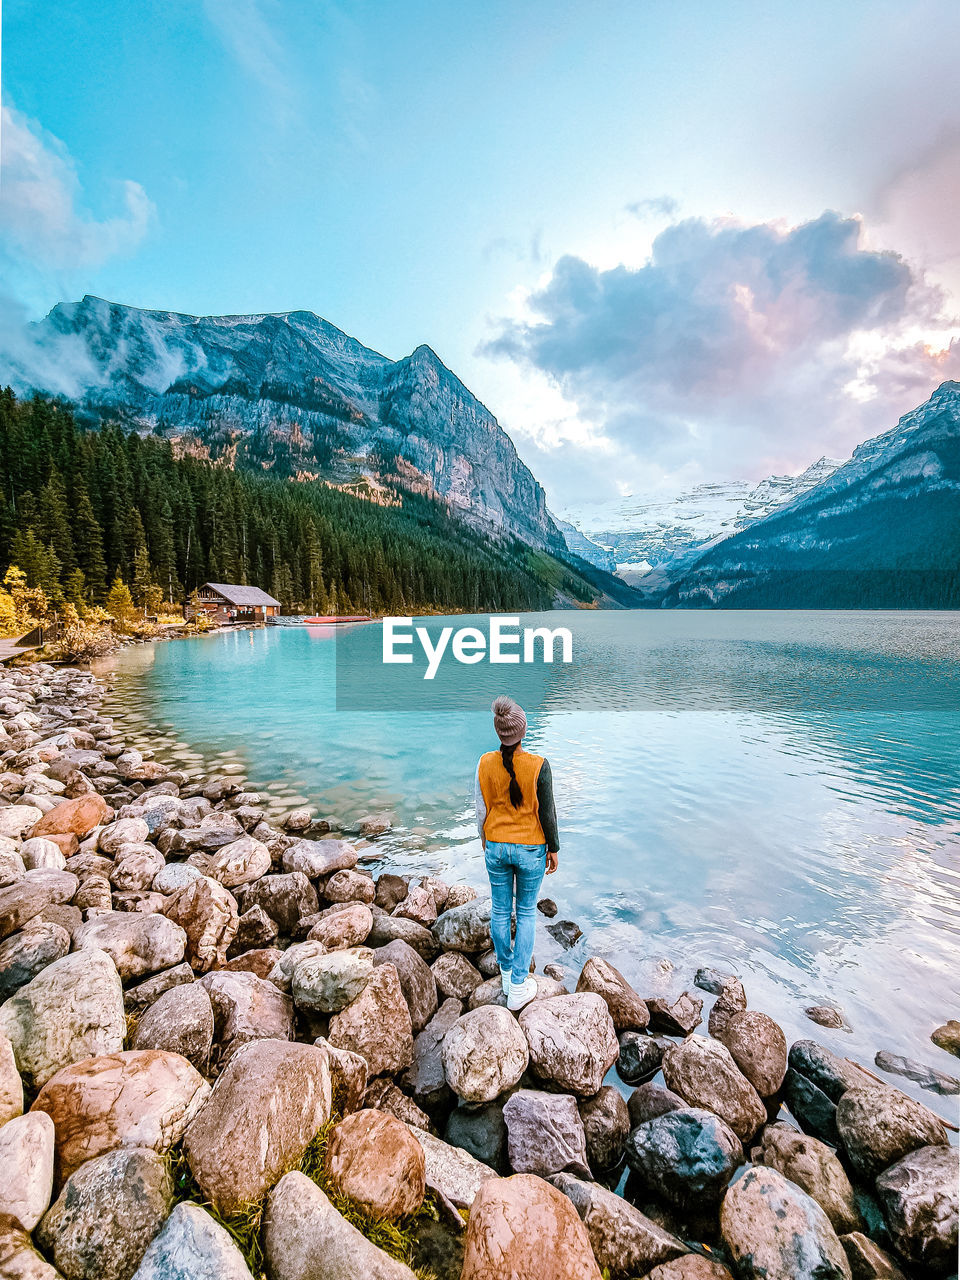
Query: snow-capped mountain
[[641, 531], [585, 547], [881, 531], [292, 393]]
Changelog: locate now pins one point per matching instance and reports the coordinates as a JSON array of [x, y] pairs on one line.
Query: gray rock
[[624, 1241], [211, 833], [545, 1133], [425, 1077], [831, 1074], [686, 1157], [305, 1238], [109, 1210], [481, 1131], [454, 975], [775, 1231], [416, 980], [180, 1021], [25, 953], [254, 929], [387, 929], [814, 1168], [316, 858], [239, 862], [880, 1125], [484, 1054], [348, 1077], [702, 1070], [640, 1057], [246, 1008], [26, 1167], [925, 1077], [20, 902], [676, 1018], [327, 983], [812, 1108], [40, 852], [456, 1175], [144, 993], [137, 944], [567, 932], [285, 898], [919, 1199], [125, 831], [606, 1123], [207, 912], [174, 876], [464, 928], [72, 1009], [349, 886], [136, 867], [377, 1024], [712, 980], [572, 1041], [192, 1245]]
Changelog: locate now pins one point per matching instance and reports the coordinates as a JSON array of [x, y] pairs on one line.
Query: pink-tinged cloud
[[738, 349]]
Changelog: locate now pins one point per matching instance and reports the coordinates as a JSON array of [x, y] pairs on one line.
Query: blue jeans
[[516, 872]]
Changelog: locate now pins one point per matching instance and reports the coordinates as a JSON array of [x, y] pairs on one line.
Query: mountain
[[881, 531], [583, 546], [293, 394], [641, 531]]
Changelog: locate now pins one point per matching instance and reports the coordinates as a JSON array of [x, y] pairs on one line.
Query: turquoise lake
[[776, 794]]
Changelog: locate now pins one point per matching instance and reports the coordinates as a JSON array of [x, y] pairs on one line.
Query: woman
[[517, 821]]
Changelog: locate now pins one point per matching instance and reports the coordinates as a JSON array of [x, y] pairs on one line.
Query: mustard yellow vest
[[503, 822]]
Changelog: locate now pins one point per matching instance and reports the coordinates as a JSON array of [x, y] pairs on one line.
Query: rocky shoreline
[[227, 1050]]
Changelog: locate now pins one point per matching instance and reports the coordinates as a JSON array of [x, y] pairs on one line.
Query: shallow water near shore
[[773, 794]]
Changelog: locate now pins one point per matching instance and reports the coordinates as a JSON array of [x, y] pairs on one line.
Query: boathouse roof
[[234, 593]]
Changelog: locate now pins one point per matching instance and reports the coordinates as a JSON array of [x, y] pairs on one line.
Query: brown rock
[[419, 905], [18, 1258], [545, 1134], [263, 1113], [606, 1122], [246, 1008], [137, 944], [625, 1242], [628, 1011], [179, 1021], [880, 1125], [919, 1199], [732, 999], [572, 1041], [349, 886], [207, 912], [691, 1266], [383, 1095], [260, 960], [867, 1260], [348, 1077], [702, 1071], [377, 1025], [74, 817], [132, 1099], [26, 952], [35, 890], [523, 1227], [285, 898], [676, 1019], [416, 980], [455, 976], [759, 1048], [390, 891], [484, 1054], [425, 1077], [374, 1160], [342, 929], [814, 1168]]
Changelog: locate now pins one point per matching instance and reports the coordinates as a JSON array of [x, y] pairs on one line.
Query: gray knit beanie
[[509, 720]]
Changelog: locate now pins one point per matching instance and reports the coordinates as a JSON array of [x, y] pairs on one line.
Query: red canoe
[[333, 619]]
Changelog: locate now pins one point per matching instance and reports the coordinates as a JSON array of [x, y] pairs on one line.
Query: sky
[[665, 243]]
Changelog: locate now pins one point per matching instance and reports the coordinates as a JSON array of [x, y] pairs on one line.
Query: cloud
[[736, 350], [654, 207], [250, 38], [42, 219]]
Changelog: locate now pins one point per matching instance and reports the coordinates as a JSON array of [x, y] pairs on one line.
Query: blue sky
[[492, 178]]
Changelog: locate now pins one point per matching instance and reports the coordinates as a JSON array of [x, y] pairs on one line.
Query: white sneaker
[[505, 981], [521, 993]]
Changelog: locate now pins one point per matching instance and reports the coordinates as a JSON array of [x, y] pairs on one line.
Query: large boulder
[[625, 1241], [374, 1160], [17, 819], [919, 1199], [246, 1008], [26, 1168], [316, 858], [328, 982], [879, 1125], [137, 944], [759, 1048], [685, 1157], [416, 980], [572, 1041], [73, 817], [342, 929], [831, 1074], [139, 1098], [484, 1053], [109, 1210], [606, 1123], [11, 1086], [465, 928], [702, 1070], [212, 832], [124, 831], [867, 1260], [31, 894], [192, 1245], [285, 898], [628, 1011], [481, 1130], [812, 1165], [29, 950], [454, 975], [349, 886], [775, 1231], [263, 1113], [377, 1024], [72, 1009], [453, 1173], [545, 1133], [524, 1227], [207, 912], [136, 867], [179, 1021], [384, 929], [305, 1238]]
